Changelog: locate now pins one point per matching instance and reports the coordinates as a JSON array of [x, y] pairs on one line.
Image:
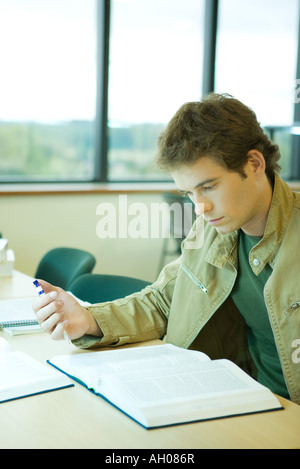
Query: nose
[[199, 208], [202, 206]]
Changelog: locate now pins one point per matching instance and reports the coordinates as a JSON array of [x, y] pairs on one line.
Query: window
[[88, 85], [48, 89], [256, 61], [156, 50]]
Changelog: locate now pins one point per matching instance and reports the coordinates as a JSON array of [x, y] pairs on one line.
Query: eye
[[208, 188]]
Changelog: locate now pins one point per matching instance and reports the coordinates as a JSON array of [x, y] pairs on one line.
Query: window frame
[[101, 121]]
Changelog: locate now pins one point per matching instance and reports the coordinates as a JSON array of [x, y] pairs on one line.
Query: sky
[[48, 59]]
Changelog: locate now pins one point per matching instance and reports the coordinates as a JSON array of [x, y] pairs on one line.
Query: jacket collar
[[224, 247]]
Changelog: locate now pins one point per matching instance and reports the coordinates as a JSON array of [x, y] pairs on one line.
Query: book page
[[204, 389], [186, 381], [17, 310], [94, 366], [22, 375], [17, 368]]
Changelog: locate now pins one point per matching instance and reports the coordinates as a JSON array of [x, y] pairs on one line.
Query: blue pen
[[38, 288], [41, 292]]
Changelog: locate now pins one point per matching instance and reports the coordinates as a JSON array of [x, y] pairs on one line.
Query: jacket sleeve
[[138, 317]]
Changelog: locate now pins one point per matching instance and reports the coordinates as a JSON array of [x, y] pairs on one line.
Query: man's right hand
[[58, 312]]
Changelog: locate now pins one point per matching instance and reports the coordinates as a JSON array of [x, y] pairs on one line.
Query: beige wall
[[34, 224]]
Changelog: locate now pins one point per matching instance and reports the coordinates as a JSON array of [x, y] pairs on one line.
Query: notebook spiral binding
[[29, 322]]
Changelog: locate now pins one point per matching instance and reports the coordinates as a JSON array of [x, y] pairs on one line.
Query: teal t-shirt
[[248, 296]]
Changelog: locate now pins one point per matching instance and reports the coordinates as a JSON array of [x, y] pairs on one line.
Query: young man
[[238, 295]]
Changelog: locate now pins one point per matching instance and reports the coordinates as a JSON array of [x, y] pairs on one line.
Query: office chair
[[181, 221], [98, 288], [61, 266]]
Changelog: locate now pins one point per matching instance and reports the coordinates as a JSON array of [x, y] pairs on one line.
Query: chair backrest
[[61, 266], [98, 288]]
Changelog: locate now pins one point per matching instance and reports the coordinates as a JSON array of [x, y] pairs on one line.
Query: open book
[[22, 376], [164, 385]]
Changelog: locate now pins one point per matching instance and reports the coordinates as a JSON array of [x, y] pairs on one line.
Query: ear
[[256, 162]]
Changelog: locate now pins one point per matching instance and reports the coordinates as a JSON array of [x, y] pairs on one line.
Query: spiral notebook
[[17, 312]]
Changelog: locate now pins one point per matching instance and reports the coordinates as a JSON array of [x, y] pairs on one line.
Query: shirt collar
[[224, 247]]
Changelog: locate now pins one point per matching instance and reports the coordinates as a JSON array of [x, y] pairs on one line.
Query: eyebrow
[[207, 181]]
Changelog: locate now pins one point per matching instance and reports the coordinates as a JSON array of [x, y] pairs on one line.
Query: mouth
[[214, 221]]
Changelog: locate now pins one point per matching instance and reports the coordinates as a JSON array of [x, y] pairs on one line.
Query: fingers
[[43, 300], [48, 311], [46, 305], [58, 332], [50, 323]]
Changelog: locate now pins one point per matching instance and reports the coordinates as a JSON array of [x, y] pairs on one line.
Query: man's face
[[226, 199]]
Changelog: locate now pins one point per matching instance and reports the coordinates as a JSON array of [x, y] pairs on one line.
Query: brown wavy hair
[[219, 126]]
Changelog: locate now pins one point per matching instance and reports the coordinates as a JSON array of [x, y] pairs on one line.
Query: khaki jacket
[[190, 302]]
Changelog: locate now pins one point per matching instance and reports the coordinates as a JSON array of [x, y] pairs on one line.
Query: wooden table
[[75, 418]]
